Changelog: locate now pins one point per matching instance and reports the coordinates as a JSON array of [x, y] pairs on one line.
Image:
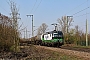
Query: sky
[[48, 11]]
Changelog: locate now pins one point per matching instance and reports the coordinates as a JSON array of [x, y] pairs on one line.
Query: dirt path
[[79, 54]]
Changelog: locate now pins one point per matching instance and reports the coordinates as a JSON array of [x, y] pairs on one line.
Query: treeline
[[77, 37]]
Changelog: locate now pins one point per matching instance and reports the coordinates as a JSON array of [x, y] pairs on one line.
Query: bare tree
[[64, 23], [42, 29], [14, 18]]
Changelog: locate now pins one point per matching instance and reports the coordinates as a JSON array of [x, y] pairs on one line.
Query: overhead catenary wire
[[8, 2], [81, 15], [76, 7], [80, 11], [86, 10], [37, 6], [33, 7], [3, 9]]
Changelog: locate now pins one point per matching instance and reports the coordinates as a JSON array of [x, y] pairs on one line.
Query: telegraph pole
[[86, 32], [32, 23], [86, 28]]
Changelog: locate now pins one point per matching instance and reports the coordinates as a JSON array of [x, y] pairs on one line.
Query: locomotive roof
[[54, 32]]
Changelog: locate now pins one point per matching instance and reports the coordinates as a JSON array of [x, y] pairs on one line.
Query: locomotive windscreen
[[58, 34]]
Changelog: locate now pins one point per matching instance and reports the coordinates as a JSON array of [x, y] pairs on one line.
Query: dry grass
[[33, 53], [45, 54]]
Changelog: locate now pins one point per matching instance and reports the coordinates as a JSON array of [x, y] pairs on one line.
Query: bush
[[8, 36]]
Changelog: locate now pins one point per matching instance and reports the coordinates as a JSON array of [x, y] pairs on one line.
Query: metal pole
[[67, 24], [86, 32], [26, 33], [86, 28], [32, 23]]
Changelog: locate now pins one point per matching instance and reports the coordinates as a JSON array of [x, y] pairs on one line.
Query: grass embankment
[[44, 54], [76, 46], [81, 46]]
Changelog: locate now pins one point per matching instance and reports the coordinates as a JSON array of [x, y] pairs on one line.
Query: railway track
[[70, 50], [69, 47]]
